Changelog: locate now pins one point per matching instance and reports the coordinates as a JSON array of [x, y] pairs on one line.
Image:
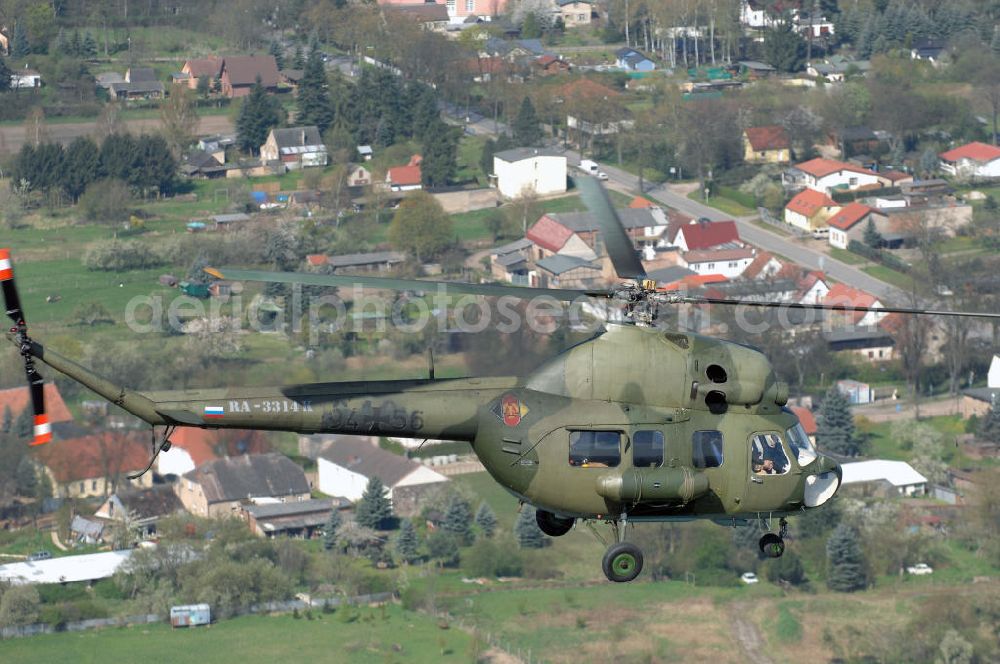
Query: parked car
[[601, 175], [749, 578], [920, 569], [39, 555]]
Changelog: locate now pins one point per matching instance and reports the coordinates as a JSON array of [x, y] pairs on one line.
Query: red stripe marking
[[41, 440]]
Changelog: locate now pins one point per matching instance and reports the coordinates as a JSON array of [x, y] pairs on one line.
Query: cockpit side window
[[595, 449], [767, 456], [706, 449], [647, 449]]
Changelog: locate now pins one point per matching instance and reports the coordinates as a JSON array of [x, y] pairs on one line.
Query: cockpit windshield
[[801, 446]]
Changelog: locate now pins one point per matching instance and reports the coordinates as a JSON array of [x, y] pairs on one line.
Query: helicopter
[[636, 424]]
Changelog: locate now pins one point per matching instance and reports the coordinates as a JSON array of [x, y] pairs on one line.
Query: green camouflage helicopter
[[636, 424]]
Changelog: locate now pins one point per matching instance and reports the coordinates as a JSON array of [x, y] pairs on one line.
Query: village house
[[217, 488], [405, 178], [141, 509], [809, 211], [16, 400], [512, 262], [428, 15], [807, 419], [630, 59], [302, 519], [25, 79], [191, 447], [829, 175], [575, 13], [561, 271], [849, 223], [550, 65], [872, 344], [764, 267], [766, 145], [139, 83], [700, 234], [846, 296], [359, 176], [529, 171], [971, 161], [882, 478], [239, 73], [95, 464], [346, 466], [376, 261], [730, 263], [295, 147], [201, 68]]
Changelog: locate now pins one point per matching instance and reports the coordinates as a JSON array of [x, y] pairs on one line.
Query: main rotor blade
[[392, 283], [619, 245], [695, 299]]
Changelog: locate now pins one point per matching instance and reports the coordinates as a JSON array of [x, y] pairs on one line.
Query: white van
[[589, 167]]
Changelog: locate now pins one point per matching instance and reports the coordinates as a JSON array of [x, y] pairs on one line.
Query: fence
[[266, 607]]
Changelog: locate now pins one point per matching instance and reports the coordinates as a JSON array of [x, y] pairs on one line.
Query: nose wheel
[[773, 545]]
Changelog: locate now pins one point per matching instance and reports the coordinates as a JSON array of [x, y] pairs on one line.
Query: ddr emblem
[[510, 410]]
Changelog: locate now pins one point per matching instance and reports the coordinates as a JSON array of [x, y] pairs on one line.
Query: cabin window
[[707, 449], [647, 449], [767, 456], [595, 449], [802, 447]]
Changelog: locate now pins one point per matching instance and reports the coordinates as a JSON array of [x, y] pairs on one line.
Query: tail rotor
[[12, 304]]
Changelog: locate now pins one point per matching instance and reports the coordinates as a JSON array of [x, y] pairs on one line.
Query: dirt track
[[12, 137]]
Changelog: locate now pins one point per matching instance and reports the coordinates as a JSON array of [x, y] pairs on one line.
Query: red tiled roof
[[584, 89], [404, 175], [810, 279], [708, 255], [546, 60], [809, 201], [820, 167], [896, 176], [94, 456], [771, 137], [198, 443], [848, 216], [641, 203], [549, 234], [694, 281], [316, 259], [844, 295], [199, 67], [19, 398], [244, 70], [974, 151], [806, 419], [491, 65], [758, 265], [708, 234]]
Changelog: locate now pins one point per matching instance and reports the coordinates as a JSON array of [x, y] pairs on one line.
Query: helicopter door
[[770, 478]]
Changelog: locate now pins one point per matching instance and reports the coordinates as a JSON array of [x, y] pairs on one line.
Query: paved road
[[12, 137]]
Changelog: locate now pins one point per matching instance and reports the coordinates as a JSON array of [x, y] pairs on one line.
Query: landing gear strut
[[623, 560], [773, 545]]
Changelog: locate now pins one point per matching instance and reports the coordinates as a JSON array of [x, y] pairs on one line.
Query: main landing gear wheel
[[772, 545], [552, 525], [622, 562]]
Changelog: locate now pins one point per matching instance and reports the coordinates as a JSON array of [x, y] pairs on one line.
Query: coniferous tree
[[784, 49], [527, 128], [24, 424], [119, 157], [75, 46], [82, 166], [89, 45], [19, 44], [330, 530], [458, 520], [5, 74], [26, 477], [872, 237], [786, 569], [407, 542], [424, 109], [312, 98], [845, 561], [258, 115], [299, 58], [279, 57], [443, 547], [486, 157], [835, 430], [158, 166], [8, 421], [527, 532], [989, 425], [440, 155], [486, 520], [374, 509]]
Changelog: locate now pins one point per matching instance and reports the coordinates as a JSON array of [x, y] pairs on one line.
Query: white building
[[899, 476], [993, 378], [730, 263], [972, 160], [537, 170], [829, 175], [346, 466], [25, 78]]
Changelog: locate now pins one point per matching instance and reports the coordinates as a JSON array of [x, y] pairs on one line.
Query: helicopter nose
[[823, 485]]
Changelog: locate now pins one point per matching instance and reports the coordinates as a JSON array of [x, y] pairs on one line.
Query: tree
[[955, 649], [279, 56], [259, 114], [527, 532], [442, 547], [330, 530], [298, 58], [19, 605], [24, 425], [407, 542], [845, 561], [527, 129], [82, 166], [20, 46], [374, 509], [107, 201], [420, 226], [486, 156], [91, 313], [989, 425], [835, 430], [486, 519], [488, 558], [7, 422], [458, 520], [783, 47], [5, 74], [872, 237], [179, 118], [440, 157], [313, 98], [929, 162], [786, 569]]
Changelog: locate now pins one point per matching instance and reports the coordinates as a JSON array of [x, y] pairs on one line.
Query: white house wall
[[175, 461], [543, 175], [421, 475], [335, 480]]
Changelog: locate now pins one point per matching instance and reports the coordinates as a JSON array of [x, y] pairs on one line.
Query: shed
[[856, 392], [190, 615], [895, 477]]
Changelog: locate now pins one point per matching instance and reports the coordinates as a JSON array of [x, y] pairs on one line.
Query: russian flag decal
[[214, 411]]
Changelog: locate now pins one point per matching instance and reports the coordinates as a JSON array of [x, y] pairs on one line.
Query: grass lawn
[[897, 279], [724, 204], [472, 225], [848, 257], [470, 150], [365, 634]]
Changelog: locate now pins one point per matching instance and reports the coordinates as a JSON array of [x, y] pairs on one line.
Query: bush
[[487, 558], [120, 256], [107, 201]]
